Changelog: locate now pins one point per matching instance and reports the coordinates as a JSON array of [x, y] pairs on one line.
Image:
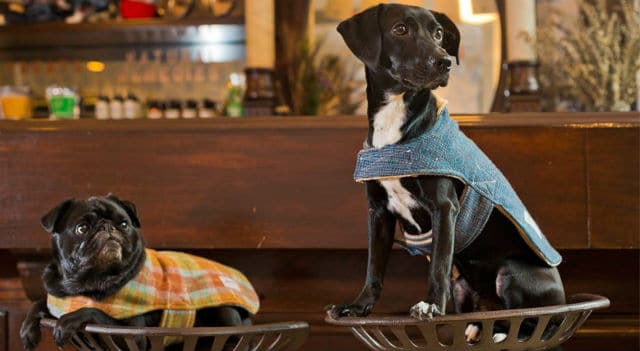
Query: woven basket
[[448, 332], [266, 337]]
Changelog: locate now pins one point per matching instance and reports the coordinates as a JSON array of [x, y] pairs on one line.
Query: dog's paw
[[30, 333], [499, 337], [348, 310], [66, 327], [472, 333], [423, 310]]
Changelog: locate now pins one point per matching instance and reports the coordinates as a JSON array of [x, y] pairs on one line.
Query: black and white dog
[[407, 52]]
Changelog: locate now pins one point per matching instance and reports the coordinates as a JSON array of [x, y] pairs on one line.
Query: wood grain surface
[[287, 183]]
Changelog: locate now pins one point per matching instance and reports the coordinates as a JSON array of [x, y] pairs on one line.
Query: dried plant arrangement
[[323, 84], [592, 63]]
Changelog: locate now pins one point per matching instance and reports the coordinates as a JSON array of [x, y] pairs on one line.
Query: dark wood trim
[[4, 331], [568, 120]]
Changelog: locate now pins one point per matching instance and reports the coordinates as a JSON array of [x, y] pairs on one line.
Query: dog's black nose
[[444, 63], [106, 227]]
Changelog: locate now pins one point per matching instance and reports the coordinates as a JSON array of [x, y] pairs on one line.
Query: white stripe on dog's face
[[400, 201], [388, 121]]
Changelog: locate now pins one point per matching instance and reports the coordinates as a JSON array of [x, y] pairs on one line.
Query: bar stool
[[447, 333], [287, 336]]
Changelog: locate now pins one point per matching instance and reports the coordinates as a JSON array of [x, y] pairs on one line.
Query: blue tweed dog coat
[[444, 150]]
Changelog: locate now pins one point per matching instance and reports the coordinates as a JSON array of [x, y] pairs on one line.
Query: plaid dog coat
[[445, 151], [177, 283]]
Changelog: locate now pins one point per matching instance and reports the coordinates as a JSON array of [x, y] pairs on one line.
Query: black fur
[[498, 269], [97, 263], [75, 269]]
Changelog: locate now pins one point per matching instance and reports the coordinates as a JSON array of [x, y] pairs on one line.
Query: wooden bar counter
[[275, 198]]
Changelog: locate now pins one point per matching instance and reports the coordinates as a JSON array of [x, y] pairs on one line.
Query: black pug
[[99, 262], [451, 202]]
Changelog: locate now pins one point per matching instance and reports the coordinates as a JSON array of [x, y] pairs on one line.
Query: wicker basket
[[266, 337], [448, 332]]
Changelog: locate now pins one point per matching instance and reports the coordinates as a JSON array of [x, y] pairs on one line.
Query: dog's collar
[[441, 103]]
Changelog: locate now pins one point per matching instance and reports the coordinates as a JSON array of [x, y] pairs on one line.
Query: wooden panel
[[614, 192], [546, 168], [16, 310], [305, 281], [260, 183], [4, 336], [225, 189], [298, 284]]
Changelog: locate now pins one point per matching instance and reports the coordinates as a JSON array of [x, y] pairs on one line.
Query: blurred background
[[156, 58]]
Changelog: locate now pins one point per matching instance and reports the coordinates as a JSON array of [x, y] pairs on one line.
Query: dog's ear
[[129, 207], [451, 37], [362, 35], [52, 217]]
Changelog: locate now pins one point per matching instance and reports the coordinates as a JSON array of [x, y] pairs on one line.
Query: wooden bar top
[[286, 183], [563, 120]]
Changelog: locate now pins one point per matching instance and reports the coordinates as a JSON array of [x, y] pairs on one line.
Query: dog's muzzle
[[443, 64]]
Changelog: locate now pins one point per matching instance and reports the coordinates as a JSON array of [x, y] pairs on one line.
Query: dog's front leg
[[444, 210], [30, 329], [381, 229], [71, 323]]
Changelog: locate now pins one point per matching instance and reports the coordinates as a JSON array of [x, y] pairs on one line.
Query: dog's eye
[[81, 229], [124, 225], [400, 29], [438, 34]]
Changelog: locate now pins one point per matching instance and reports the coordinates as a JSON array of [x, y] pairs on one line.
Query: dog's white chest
[[387, 123], [400, 201]]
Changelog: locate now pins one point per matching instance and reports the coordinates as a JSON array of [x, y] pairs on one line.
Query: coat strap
[[474, 213]]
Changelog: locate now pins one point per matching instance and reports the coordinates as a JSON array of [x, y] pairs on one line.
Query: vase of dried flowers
[[591, 63], [322, 84]]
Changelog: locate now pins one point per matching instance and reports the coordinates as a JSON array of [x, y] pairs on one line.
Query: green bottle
[[233, 105]]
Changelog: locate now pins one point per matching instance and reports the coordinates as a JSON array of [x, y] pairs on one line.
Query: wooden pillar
[[291, 32], [261, 57]]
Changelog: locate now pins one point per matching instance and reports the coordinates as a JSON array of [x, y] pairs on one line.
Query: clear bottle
[[173, 109], [207, 109], [132, 108], [190, 109], [116, 107], [154, 109], [102, 107]]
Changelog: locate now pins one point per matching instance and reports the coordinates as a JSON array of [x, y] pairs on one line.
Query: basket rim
[[580, 302], [195, 331]]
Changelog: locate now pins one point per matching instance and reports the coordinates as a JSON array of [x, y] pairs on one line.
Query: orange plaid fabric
[[175, 282]]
